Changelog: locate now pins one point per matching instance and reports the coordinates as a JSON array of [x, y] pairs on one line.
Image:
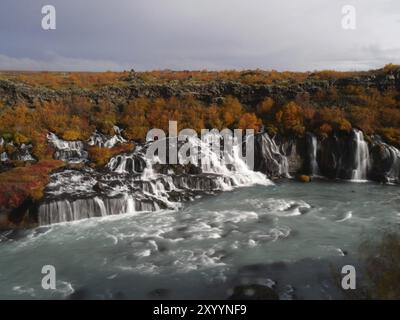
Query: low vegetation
[[101, 156], [76, 117], [27, 183]]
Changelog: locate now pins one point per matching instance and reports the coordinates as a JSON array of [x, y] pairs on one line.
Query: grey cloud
[[198, 34]]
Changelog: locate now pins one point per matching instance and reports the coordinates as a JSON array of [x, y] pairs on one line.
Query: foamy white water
[[291, 234]]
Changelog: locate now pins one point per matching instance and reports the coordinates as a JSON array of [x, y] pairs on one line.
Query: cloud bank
[[98, 35]]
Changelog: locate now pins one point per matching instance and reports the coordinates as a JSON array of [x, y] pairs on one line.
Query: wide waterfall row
[[353, 158], [348, 157], [21, 152], [70, 210], [69, 151], [74, 151], [134, 182]]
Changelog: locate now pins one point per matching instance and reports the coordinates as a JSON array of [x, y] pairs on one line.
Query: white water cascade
[[393, 174], [3, 155], [69, 151], [274, 159], [101, 140], [134, 182], [361, 157], [392, 154], [313, 148], [230, 166], [22, 152]]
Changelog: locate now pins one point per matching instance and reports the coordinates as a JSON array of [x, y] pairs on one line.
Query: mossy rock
[[304, 178]]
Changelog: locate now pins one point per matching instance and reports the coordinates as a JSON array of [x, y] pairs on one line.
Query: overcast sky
[[98, 35]]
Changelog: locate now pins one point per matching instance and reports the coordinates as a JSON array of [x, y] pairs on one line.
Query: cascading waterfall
[[393, 175], [361, 157], [56, 211], [388, 161], [101, 140], [69, 151], [231, 166], [22, 152], [3, 157], [133, 183], [273, 160]]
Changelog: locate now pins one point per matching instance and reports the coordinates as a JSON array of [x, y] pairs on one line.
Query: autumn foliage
[[77, 116], [25, 183], [101, 156]]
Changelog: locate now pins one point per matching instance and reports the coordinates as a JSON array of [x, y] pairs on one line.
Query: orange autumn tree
[[334, 117], [17, 123], [133, 119], [213, 118], [249, 121], [363, 118], [192, 114], [290, 119], [231, 111], [265, 107]]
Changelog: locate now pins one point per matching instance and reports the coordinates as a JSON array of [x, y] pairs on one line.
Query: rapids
[[290, 234]]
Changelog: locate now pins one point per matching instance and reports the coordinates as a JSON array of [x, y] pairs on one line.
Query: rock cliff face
[[345, 156], [210, 91]]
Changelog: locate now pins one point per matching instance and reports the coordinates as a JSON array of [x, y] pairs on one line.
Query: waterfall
[[271, 160], [312, 144], [127, 163], [361, 157], [393, 174], [69, 151], [386, 161], [231, 166], [21, 153], [101, 140], [24, 153], [56, 211], [132, 182], [3, 157]]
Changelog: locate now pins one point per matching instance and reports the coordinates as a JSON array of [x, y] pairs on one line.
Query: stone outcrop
[[207, 91]]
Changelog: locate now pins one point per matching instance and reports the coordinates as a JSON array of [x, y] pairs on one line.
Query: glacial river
[[290, 236]]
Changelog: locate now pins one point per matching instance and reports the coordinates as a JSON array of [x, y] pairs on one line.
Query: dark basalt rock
[[294, 149], [385, 162], [269, 158], [336, 157], [207, 91]]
